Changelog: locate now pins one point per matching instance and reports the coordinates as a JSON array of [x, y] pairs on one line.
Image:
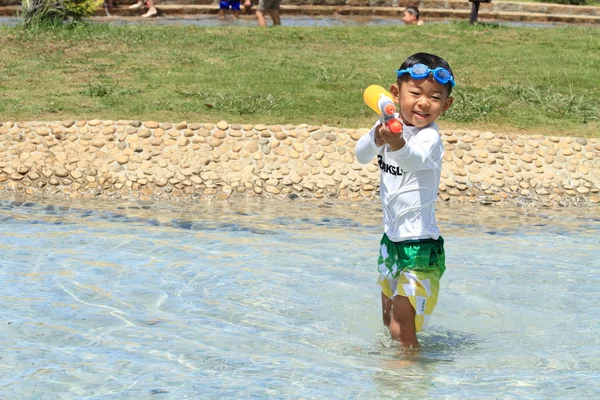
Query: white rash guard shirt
[[410, 178]]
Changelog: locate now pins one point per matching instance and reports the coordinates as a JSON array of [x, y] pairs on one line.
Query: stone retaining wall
[[152, 160]]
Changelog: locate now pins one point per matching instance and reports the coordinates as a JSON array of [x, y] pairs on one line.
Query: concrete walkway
[[431, 9]]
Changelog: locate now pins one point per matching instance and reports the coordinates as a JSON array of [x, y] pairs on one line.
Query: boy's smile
[[422, 101]]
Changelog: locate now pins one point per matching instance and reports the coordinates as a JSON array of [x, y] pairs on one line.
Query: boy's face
[[408, 18], [421, 101]]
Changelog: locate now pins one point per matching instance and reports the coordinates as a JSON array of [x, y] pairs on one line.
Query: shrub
[[36, 12]]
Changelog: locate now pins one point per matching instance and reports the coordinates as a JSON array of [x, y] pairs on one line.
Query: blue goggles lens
[[422, 71]]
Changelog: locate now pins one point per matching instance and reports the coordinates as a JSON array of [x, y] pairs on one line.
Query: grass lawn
[[528, 80]]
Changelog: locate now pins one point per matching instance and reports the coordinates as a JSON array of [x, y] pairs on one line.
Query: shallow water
[[278, 299]]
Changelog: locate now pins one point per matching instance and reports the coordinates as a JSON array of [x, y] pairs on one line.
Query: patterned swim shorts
[[413, 269]]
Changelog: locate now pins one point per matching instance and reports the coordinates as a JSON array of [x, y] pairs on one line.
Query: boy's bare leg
[[221, 13], [261, 18], [386, 309], [236, 14], [402, 323], [275, 17]]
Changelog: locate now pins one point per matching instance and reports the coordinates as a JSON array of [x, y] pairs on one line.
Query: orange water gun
[[381, 101]]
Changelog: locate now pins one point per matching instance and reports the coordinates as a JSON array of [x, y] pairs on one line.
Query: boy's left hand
[[394, 140]]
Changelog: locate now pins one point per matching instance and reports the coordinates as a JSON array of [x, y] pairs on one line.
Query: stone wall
[[152, 160]]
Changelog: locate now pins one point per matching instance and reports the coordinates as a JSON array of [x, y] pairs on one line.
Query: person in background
[[226, 5], [151, 9], [247, 6], [271, 6], [412, 16]]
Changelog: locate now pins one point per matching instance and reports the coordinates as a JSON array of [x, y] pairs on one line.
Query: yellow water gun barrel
[[381, 101], [372, 94]]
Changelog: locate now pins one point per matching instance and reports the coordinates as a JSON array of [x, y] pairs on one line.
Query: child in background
[[411, 255], [412, 16], [225, 5]]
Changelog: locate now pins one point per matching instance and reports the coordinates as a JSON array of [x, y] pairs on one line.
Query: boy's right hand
[[378, 139], [394, 140]]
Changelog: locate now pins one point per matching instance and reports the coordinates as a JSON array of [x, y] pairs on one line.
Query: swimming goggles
[[422, 71]]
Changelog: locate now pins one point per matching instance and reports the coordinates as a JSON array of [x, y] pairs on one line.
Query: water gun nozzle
[[390, 109]]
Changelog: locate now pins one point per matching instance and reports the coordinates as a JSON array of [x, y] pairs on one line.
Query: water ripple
[[267, 300]]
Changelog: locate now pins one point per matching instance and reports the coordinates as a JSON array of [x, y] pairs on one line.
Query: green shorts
[[413, 269]]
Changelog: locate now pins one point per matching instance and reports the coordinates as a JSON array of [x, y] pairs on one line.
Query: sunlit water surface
[[279, 300]]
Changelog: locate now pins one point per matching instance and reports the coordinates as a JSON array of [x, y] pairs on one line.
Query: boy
[[411, 16], [411, 258]]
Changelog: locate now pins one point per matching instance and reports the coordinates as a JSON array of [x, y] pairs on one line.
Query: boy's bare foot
[[150, 13], [139, 4]]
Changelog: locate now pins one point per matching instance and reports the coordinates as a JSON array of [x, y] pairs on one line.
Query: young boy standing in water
[[411, 256]]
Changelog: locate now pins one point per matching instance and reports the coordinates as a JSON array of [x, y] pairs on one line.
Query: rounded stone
[[61, 172], [219, 134], [582, 190], [214, 142], [144, 133], [152, 124], [261, 127], [526, 158]]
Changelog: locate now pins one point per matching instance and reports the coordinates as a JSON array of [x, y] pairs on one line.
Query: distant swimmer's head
[[411, 16]]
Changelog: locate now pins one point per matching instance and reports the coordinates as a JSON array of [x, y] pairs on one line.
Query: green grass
[[530, 80]]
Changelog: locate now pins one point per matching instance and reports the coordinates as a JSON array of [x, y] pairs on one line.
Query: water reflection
[[303, 215]]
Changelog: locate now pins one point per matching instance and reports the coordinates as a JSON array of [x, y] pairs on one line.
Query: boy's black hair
[[414, 11], [432, 61]]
